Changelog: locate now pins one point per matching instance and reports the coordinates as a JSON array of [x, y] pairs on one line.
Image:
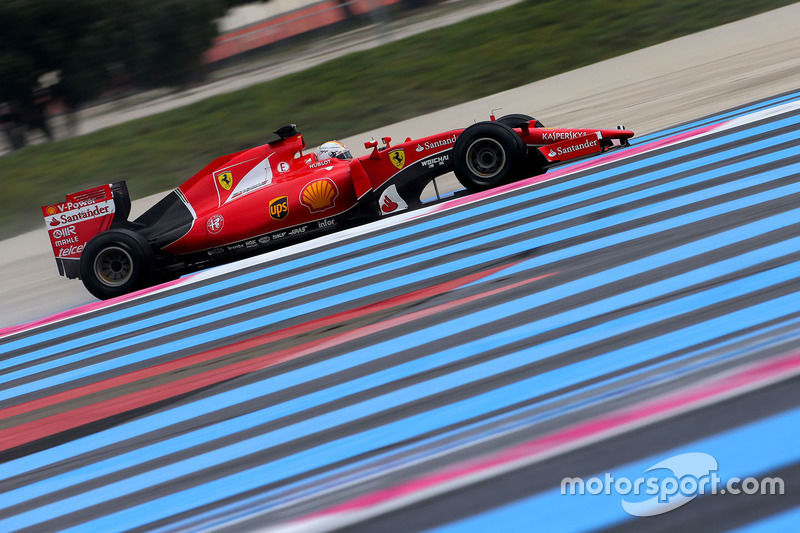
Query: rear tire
[[488, 154], [116, 262]]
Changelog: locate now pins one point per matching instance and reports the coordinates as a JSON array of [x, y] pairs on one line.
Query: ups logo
[[279, 208]]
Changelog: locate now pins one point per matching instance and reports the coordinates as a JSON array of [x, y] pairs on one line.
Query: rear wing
[[72, 223]]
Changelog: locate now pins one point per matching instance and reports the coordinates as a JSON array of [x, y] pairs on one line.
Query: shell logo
[[319, 195], [51, 210]]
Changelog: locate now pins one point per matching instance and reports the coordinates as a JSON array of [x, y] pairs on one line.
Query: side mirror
[[374, 145]]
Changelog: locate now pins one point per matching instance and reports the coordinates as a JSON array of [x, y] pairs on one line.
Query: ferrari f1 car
[[265, 197]]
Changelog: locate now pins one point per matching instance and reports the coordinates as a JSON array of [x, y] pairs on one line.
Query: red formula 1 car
[[272, 195]]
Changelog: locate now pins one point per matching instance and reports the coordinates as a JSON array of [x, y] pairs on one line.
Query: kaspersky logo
[[279, 208], [562, 135]]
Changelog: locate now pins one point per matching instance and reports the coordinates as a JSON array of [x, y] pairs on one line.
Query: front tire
[[534, 162], [516, 120], [116, 262], [488, 154]]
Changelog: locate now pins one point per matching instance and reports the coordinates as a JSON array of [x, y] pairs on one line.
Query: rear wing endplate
[[72, 223]]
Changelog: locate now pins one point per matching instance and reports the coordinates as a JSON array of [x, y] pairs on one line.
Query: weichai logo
[[279, 208]]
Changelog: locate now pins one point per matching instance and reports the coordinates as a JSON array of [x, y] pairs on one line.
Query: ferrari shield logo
[[398, 158], [225, 180]]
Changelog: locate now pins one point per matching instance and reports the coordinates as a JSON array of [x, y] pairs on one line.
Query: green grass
[[447, 66]]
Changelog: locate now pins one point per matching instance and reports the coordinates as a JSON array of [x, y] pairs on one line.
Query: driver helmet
[[333, 150]]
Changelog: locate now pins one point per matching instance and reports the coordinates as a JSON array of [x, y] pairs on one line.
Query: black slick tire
[[116, 262], [488, 154]]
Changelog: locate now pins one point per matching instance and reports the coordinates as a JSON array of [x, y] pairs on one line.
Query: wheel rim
[[113, 266], [486, 158]]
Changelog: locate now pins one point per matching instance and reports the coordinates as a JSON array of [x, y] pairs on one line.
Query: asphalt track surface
[[444, 369]]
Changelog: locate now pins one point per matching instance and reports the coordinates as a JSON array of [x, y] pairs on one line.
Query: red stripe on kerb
[[243, 345], [31, 431], [746, 378]]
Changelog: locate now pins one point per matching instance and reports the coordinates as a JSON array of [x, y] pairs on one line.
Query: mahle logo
[[279, 208]]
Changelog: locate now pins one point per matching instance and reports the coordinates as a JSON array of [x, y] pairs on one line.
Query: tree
[[161, 42], [91, 45]]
